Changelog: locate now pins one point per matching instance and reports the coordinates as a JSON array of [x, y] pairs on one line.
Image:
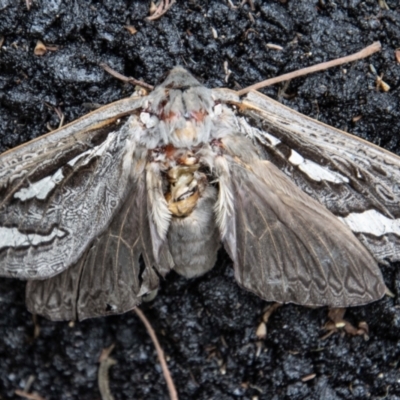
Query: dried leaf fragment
[[40, 49], [261, 331], [396, 54], [381, 84], [274, 46], [337, 321], [383, 5], [308, 377], [227, 71], [131, 29]]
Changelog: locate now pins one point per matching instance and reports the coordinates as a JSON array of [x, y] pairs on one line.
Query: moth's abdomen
[[194, 239]]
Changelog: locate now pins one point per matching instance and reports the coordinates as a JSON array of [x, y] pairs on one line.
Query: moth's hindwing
[[109, 277], [354, 179]]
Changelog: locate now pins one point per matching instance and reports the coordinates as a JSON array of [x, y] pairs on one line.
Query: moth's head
[[179, 78]]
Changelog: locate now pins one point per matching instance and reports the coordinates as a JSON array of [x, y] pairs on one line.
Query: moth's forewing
[[287, 247], [62, 144], [60, 191], [354, 179]]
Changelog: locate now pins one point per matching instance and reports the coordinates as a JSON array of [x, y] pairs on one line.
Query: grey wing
[[286, 247], [110, 277], [59, 192], [39, 155], [356, 180]]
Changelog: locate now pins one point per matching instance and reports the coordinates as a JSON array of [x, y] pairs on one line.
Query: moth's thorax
[[183, 182], [180, 111]]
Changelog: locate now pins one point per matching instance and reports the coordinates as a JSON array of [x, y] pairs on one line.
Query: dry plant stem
[[170, 383], [161, 10], [104, 382], [106, 362], [251, 4], [124, 78], [29, 383], [60, 115], [231, 5], [29, 396], [373, 48]]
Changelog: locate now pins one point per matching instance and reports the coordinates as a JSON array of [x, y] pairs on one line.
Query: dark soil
[[206, 326]]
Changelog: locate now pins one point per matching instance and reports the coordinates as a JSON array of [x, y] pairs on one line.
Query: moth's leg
[[337, 322]]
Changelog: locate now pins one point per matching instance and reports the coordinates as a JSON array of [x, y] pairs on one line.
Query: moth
[[95, 213]]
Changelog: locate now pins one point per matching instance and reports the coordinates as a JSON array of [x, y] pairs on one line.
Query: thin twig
[[60, 115], [124, 78], [251, 4], [167, 376], [373, 48], [29, 396], [29, 382], [105, 363]]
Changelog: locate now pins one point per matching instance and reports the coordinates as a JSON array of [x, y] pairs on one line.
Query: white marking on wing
[[43, 187], [93, 152], [272, 139], [315, 171], [257, 133], [372, 222], [78, 157], [40, 189], [12, 237]]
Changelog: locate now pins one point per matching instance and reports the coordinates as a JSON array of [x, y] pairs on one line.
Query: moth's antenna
[[366, 52], [124, 78]]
